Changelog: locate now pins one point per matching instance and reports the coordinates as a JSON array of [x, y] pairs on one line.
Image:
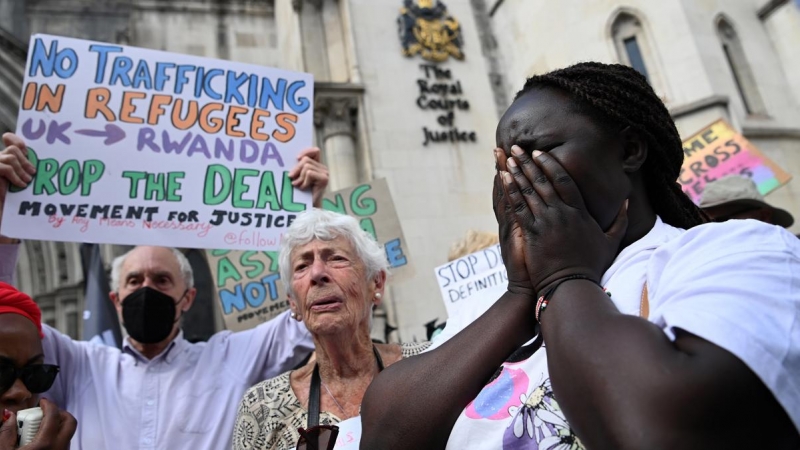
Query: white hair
[[327, 226], [183, 263]]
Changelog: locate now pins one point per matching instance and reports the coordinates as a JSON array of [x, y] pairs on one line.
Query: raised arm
[[15, 169], [415, 403]]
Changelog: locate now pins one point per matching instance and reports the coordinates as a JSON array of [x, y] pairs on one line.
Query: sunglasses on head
[[37, 377], [322, 437]]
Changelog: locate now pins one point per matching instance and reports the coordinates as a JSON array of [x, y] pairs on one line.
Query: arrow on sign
[[112, 133]]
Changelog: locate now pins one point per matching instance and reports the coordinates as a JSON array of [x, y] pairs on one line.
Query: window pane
[[736, 78], [72, 324], [635, 56]]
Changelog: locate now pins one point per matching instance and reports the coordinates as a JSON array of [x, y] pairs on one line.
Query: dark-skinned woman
[[335, 274], [628, 322]]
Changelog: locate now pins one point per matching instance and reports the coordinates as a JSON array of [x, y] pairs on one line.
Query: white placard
[[137, 146], [349, 434], [461, 281]]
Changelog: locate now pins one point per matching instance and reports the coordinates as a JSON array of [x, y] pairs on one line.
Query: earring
[[293, 315], [378, 295]]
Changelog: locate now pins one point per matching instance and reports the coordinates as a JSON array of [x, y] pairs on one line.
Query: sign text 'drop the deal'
[[141, 146]]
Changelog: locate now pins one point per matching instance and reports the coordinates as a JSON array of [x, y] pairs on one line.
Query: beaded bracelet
[[544, 300]]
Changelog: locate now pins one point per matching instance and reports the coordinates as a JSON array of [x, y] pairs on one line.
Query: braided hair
[[618, 96]]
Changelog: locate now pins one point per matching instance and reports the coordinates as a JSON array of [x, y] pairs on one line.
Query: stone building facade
[[378, 113]]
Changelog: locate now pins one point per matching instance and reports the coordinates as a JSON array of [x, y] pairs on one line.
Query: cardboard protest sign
[[718, 150], [136, 146], [248, 284], [463, 280]]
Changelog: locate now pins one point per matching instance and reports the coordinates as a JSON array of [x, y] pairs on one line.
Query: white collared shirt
[[184, 398]]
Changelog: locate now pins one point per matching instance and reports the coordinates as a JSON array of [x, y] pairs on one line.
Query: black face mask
[[149, 315]]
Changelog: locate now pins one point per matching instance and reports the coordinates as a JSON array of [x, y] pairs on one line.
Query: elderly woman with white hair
[[335, 275]]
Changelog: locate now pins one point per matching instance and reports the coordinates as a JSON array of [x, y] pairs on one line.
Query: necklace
[[334, 398]]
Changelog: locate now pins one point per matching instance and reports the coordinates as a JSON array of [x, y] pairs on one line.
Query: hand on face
[[55, 431], [310, 173], [512, 241], [560, 237]]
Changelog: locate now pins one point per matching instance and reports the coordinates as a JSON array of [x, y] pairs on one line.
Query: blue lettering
[[298, 105], [252, 91], [394, 253], [142, 76], [210, 75], [270, 93], [232, 85], [271, 281], [53, 60], [102, 59], [181, 78], [161, 75], [232, 300], [122, 64], [255, 299]]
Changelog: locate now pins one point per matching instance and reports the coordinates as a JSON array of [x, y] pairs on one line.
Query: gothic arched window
[[740, 69]]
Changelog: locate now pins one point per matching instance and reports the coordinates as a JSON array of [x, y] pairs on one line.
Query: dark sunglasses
[[37, 377], [322, 437]]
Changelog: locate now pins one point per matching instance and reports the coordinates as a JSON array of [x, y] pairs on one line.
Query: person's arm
[[415, 402], [73, 359], [265, 351], [15, 169], [310, 173], [620, 380]]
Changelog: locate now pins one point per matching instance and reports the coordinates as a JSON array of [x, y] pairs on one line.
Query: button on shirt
[[184, 398]]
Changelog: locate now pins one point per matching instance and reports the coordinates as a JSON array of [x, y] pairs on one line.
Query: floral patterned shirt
[[270, 413]]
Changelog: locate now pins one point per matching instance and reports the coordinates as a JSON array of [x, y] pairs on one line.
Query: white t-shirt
[[706, 281]]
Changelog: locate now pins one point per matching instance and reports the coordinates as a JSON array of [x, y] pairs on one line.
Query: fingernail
[[516, 150], [27, 177], [511, 163], [626, 204], [507, 177], [6, 415], [536, 153]]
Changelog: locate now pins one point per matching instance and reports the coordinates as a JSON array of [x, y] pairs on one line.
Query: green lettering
[[240, 188], [273, 261], [135, 177], [44, 177], [69, 177], [210, 195], [226, 270], [335, 207], [362, 207], [154, 186], [173, 184], [267, 193], [257, 266], [287, 196], [93, 169], [219, 252]]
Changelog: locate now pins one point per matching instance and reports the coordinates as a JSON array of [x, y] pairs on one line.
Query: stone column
[[335, 116]]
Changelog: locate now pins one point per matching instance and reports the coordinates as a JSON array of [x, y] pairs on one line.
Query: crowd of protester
[[633, 318]]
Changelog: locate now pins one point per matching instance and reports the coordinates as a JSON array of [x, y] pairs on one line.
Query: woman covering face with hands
[[628, 323]]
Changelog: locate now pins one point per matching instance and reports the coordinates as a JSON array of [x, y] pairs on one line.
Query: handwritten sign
[[718, 150], [349, 434], [462, 280], [136, 146], [249, 288]]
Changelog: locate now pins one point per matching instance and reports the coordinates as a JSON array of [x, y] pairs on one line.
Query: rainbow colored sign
[[718, 150]]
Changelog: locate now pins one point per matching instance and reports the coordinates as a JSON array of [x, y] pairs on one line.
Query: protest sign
[[718, 150], [136, 146], [249, 289], [471, 276]]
